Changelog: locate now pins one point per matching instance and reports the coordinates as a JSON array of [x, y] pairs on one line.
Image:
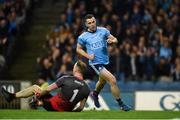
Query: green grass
[[35, 114]]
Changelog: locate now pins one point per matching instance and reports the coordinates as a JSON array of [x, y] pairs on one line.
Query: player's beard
[[93, 28]]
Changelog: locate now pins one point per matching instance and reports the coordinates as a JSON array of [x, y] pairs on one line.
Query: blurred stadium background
[[38, 42]]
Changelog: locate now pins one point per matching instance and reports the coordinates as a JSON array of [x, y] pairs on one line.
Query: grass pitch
[[36, 114]]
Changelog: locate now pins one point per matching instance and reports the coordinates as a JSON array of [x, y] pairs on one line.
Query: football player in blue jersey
[[95, 40]]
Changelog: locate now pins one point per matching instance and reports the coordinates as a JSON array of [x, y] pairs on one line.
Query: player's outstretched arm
[[80, 51], [81, 106], [111, 39]]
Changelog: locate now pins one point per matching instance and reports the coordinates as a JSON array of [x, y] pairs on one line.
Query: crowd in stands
[[148, 32], [12, 17]]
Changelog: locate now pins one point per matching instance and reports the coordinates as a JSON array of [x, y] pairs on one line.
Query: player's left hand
[[111, 40], [91, 57]]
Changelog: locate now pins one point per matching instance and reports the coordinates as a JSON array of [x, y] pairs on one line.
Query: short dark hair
[[88, 16], [82, 67]]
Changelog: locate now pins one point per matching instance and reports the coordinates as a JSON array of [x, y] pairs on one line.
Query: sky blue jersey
[[96, 43]]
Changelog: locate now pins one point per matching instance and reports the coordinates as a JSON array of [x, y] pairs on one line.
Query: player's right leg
[[99, 86], [21, 94]]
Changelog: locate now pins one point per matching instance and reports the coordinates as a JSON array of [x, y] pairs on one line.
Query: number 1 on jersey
[[75, 92]]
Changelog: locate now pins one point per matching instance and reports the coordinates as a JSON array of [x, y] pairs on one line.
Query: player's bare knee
[[113, 81], [36, 88]]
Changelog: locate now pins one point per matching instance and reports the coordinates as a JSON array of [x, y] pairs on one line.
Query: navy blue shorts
[[98, 68]]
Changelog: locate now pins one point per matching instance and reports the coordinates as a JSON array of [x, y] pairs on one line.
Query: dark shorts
[[57, 103], [46, 103], [98, 68]]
